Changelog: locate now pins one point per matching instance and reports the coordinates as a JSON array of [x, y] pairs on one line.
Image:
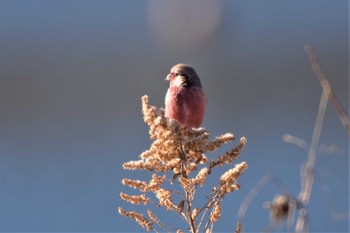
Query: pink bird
[[185, 100]]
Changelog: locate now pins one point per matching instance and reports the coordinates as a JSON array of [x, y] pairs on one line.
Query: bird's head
[[183, 76]]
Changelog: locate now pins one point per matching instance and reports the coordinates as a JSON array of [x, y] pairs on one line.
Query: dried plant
[[283, 207], [179, 166]]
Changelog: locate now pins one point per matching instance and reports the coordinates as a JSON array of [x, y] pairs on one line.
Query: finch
[[185, 100]]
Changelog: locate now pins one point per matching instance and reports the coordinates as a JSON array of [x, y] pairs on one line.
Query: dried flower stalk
[[135, 199], [177, 159], [144, 223]]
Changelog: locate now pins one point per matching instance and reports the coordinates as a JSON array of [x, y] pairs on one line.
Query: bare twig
[[307, 175], [325, 84], [323, 148]]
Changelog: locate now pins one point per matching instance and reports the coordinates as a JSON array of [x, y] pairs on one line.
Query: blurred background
[[72, 73]]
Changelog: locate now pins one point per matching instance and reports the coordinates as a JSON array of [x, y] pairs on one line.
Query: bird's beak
[[168, 77]]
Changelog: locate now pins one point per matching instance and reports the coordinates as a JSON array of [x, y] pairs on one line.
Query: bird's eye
[[176, 74]]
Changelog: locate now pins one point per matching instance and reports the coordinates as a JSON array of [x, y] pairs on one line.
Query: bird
[[185, 100]]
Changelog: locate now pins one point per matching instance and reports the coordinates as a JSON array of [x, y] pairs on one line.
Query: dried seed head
[[281, 207], [195, 213], [201, 176], [216, 213], [144, 223], [228, 181], [135, 199]]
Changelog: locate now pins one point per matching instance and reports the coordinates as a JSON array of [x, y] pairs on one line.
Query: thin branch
[[206, 207], [325, 84], [307, 176]]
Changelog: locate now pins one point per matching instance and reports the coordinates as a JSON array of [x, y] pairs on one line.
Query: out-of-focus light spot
[[183, 23]]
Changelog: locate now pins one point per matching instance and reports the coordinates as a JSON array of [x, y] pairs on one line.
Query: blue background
[[72, 73]]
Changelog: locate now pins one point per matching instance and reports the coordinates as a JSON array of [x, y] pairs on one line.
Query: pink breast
[[186, 106]]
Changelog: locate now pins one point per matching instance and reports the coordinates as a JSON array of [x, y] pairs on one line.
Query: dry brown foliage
[[179, 166]]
